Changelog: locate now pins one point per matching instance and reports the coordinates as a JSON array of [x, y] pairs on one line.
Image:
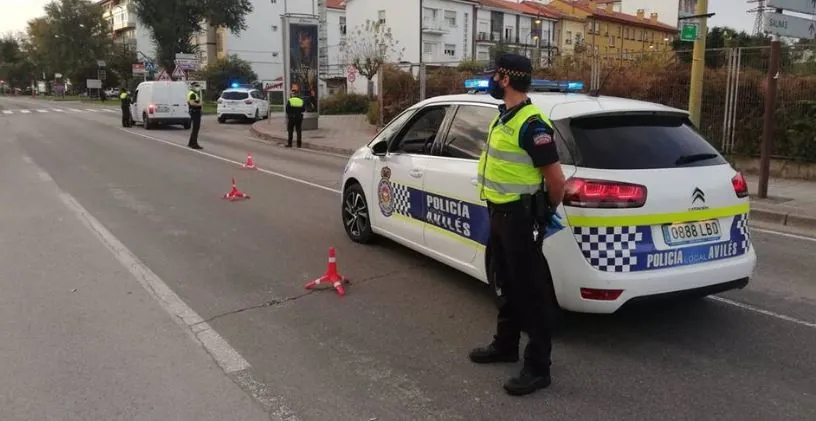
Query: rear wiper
[[688, 159]]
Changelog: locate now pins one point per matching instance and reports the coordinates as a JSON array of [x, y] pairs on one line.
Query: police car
[[243, 103], [651, 208]]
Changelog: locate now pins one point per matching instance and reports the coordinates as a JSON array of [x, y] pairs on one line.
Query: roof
[[336, 4], [564, 105], [549, 11], [512, 6], [602, 13]]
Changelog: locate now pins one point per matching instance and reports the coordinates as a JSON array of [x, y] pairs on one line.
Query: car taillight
[[151, 108], [740, 185], [586, 193], [248, 102], [601, 294]]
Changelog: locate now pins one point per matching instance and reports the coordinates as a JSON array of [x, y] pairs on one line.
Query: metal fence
[[734, 90]]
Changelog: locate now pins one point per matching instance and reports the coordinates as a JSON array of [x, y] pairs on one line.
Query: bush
[[344, 104], [373, 114]]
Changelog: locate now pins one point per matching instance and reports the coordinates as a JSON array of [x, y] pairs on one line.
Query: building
[[528, 30], [126, 30], [669, 11], [568, 36], [612, 34]]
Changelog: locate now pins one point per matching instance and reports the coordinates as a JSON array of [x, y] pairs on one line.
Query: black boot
[[528, 381], [493, 354]]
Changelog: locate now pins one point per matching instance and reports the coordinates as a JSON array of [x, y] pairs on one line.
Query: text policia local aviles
[[452, 215], [676, 257]]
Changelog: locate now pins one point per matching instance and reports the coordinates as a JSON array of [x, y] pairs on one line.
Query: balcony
[[129, 43], [488, 37], [124, 21], [434, 27]]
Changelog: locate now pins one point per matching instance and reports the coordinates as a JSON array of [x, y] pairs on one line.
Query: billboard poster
[[303, 62]]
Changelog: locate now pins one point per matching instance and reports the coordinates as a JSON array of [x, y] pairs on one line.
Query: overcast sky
[[14, 14]]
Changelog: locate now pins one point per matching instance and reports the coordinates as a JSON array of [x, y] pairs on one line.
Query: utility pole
[[698, 63], [768, 121]]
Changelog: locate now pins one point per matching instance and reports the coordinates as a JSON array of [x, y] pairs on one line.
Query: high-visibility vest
[[123, 95], [295, 101], [192, 96], [506, 171]]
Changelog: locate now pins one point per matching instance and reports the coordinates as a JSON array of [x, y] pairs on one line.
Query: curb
[[784, 218], [280, 140]]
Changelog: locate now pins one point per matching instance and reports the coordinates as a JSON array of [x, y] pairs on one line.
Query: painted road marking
[[7, 112], [42, 111], [784, 234], [25, 111], [57, 110], [91, 110], [75, 110], [309, 183]]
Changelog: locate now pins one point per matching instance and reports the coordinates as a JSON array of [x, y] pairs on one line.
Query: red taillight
[[740, 185], [248, 102], [600, 294], [151, 108], [585, 193]]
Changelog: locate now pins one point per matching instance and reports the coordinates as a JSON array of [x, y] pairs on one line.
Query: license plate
[[163, 109], [692, 232]]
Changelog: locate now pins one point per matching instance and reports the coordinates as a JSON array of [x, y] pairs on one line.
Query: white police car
[[242, 103], [651, 208]]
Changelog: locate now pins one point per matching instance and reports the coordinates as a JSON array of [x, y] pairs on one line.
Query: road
[[395, 348]]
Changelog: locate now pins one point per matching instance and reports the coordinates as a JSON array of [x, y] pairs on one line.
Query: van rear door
[[177, 100]]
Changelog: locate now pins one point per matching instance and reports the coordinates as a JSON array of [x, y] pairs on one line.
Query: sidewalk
[[791, 202], [340, 134]]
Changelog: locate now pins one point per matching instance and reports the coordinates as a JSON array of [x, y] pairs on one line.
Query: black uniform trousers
[[195, 119], [126, 116], [294, 122], [526, 288]]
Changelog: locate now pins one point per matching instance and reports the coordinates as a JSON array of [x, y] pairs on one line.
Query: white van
[[161, 102]]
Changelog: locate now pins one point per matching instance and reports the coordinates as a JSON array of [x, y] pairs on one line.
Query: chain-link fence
[[732, 107]]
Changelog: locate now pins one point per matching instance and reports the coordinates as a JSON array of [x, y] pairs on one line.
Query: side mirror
[[380, 149]]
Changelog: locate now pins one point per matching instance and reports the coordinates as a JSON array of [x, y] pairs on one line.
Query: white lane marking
[[42, 111], [221, 158], [57, 110], [25, 111], [762, 311], [75, 110], [91, 110], [7, 112], [309, 183], [784, 234], [108, 110], [28, 160], [44, 176]]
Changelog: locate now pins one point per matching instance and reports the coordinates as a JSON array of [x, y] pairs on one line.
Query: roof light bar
[[537, 85]]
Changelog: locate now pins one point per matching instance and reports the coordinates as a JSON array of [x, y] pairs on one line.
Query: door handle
[[415, 173]]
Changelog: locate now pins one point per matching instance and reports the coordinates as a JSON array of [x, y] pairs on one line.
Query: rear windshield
[[234, 95], [634, 142]]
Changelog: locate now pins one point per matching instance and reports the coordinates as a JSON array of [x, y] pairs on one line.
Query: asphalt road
[[395, 348]]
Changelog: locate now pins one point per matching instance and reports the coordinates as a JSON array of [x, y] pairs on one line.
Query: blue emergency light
[[537, 85], [235, 84]]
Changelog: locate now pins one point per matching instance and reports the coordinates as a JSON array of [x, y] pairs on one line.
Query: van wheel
[[147, 124], [257, 115], [221, 120], [187, 125]]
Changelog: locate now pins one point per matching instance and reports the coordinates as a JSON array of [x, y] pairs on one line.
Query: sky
[[14, 14]]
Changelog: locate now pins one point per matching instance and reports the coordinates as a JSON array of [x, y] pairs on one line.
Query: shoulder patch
[[542, 138]]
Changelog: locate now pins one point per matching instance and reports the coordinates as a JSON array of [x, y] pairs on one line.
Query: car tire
[[221, 120], [257, 114], [187, 125], [355, 215], [147, 124]]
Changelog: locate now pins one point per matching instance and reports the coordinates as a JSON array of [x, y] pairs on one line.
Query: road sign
[[103, 75], [788, 26], [100, 63], [163, 75], [57, 75], [186, 61], [273, 85], [179, 74], [138, 68], [93, 84], [689, 32], [807, 7]]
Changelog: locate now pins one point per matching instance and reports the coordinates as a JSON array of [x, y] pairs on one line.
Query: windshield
[[234, 95]]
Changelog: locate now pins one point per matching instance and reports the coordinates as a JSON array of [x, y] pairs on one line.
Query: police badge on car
[[385, 192]]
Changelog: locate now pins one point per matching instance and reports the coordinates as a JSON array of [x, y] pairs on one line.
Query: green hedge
[[344, 104]]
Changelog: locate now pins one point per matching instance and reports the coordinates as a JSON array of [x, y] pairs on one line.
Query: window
[[508, 33], [468, 132], [234, 95], [612, 41], [381, 17], [648, 141], [420, 133], [482, 55], [342, 25], [428, 49], [450, 18], [392, 127], [450, 50]]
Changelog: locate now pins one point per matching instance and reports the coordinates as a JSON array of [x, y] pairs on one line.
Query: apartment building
[[526, 29], [669, 11], [126, 30], [613, 34], [568, 36]]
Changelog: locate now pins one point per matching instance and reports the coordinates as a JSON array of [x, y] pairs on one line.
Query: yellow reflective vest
[[296, 102], [506, 171]]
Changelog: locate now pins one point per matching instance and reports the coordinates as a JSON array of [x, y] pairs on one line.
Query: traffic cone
[[250, 163], [235, 194], [331, 276]]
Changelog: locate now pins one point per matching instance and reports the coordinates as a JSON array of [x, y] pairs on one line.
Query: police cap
[[514, 65]]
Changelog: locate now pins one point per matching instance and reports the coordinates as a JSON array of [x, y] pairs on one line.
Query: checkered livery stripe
[[632, 248], [402, 199]]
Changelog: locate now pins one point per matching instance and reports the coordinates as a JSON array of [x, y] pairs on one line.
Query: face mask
[[495, 89]]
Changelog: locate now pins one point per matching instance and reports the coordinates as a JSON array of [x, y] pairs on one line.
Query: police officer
[[194, 102], [519, 160], [294, 116], [124, 96]]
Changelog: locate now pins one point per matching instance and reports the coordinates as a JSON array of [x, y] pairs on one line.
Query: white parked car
[[651, 208], [242, 103]]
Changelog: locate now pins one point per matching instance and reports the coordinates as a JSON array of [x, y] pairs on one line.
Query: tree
[[15, 70], [224, 72], [368, 47], [69, 39], [173, 23]]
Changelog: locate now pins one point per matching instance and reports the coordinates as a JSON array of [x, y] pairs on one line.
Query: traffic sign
[[138, 68], [179, 73], [103, 75], [149, 66], [163, 75], [273, 85], [186, 61], [788, 26], [807, 7], [689, 32]]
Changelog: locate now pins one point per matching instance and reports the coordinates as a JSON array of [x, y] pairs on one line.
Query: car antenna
[[597, 92]]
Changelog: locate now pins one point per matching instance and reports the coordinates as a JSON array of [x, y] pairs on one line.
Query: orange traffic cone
[[331, 276], [250, 163], [235, 194]]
